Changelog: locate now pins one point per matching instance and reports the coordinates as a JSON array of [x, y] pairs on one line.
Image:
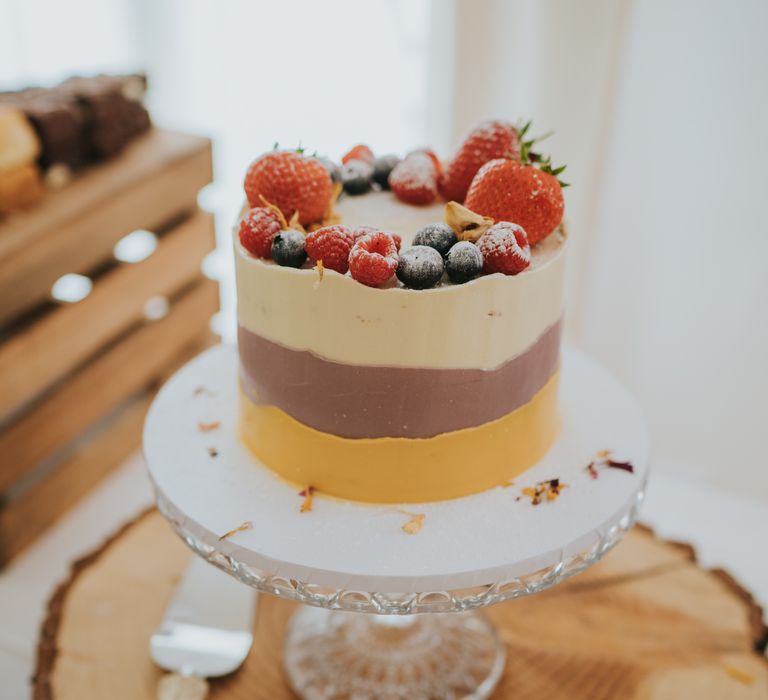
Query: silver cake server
[[205, 632]]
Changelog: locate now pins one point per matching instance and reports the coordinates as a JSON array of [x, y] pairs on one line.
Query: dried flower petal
[[604, 461], [213, 452], [207, 427], [295, 224], [415, 523], [277, 211], [467, 224], [247, 525], [739, 675], [626, 466], [545, 490], [203, 391], [307, 494]]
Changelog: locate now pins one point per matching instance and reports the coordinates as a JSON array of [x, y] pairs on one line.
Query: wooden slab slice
[[645, 623]]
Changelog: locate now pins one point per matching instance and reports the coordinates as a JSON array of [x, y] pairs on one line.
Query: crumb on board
[[307, 494], [247, 525]]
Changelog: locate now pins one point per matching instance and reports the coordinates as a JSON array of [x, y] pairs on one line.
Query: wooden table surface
[[646, 622], [681, 508]]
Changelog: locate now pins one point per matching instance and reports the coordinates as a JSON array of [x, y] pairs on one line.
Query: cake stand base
[[332, 655]]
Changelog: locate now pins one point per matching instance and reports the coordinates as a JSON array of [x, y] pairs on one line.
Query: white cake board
[[496, 537]]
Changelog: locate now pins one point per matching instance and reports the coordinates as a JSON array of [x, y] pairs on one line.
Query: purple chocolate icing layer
[[355, 401]]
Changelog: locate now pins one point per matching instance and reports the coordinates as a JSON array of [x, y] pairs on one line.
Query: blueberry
[[332, 168], [463, 262], [420, 267], [356, 176], [288, 248], [438, 236], [382, 168]]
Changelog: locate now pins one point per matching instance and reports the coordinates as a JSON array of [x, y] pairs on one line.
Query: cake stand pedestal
[[341, 558]]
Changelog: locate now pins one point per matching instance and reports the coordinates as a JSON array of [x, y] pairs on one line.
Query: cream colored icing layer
[[478, 325], [385, 210]]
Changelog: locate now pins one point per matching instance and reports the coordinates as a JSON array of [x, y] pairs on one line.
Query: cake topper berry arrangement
[[502, 199]]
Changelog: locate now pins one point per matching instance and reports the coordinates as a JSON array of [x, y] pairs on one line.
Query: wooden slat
[[25, 518], [122, 371], [45, 352], [75, 229]]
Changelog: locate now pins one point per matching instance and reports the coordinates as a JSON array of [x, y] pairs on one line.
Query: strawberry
[[414, 180], [373, 259], [292, 182], [359, 152], [531, 196], [332, 245], [258, 227], [505, 249], [492, 139]]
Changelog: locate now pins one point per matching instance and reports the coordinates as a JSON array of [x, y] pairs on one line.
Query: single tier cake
[[396, 347]]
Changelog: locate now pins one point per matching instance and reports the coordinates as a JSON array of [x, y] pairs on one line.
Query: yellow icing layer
[[403, 470]]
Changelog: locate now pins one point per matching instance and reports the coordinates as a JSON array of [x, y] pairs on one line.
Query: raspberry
[[432, 156], [414, 180], [373, 259], [257, 229], [361, 231], [359, 152], [505, 249], [332, 245]]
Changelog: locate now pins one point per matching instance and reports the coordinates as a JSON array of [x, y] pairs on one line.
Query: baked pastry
[[19, 145]]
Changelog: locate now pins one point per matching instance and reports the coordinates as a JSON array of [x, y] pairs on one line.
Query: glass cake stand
[[419, 573]]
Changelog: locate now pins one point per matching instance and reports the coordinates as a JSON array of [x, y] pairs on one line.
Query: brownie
[[84, 119], [59, 123], [113, 117]]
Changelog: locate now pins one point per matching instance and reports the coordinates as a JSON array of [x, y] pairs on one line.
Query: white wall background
[[660, 111]]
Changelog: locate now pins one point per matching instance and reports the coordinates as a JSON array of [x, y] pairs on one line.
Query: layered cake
[[400, 319]]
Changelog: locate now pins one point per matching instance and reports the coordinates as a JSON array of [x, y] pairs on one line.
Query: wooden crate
[[76, 379]]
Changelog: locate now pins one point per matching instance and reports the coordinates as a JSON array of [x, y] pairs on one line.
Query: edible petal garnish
[[547, 490], [414, 524], [467, 224], [308, 495], [247, 525], [207, 427], [331, 216], [604, 460]]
